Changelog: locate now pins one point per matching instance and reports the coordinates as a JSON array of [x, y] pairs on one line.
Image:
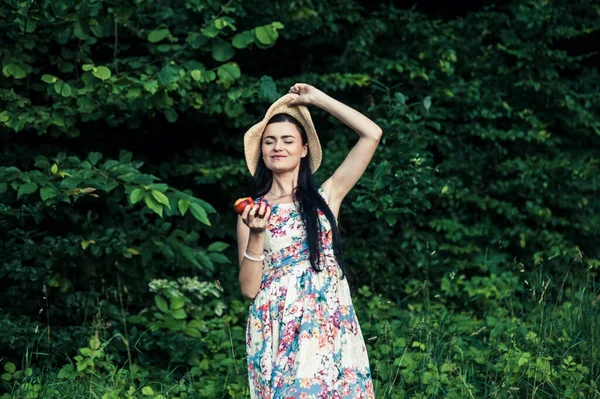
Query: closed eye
[[272, 142]]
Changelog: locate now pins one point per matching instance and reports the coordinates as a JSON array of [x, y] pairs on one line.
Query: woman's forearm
[[250, 275]]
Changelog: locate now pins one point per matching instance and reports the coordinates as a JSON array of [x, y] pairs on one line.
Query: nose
[[277, 145]]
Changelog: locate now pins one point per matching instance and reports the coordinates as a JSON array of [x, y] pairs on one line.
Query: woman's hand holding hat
[[307, 94]]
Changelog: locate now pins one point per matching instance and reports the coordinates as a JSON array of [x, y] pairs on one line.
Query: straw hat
[[253, 136]]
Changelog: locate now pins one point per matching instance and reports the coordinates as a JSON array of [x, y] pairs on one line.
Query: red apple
[[240, 204]]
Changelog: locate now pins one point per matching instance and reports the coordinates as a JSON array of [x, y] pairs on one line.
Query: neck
[[284, 183]]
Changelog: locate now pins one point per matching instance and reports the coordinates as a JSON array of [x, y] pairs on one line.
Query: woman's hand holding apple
[[254, 215]]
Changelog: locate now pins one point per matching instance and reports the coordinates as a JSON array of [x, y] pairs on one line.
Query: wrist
[[257, 233], [251, 252], [319, 98], [252, 258]]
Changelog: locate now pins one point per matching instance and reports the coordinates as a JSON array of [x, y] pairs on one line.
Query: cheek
[[298, 148]]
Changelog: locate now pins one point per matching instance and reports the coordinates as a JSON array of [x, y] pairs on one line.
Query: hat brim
[[252, 138]]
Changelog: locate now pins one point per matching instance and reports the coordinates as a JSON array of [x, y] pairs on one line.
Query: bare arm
[[252, 240], [357, 160]]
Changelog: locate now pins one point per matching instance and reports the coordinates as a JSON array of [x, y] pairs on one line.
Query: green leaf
[[222, 51], [157, 35], [211, 30], [524, 359], [391, 219], [136, 195], [266, 35], [196, 75], [196, 323], [267, 89], [156, 207], [101, 72], [162, 187], [47, 193], [161, 304], [94, 157], [161, 198], [205, 260], [199, 213], [3, 188], [66, 371], [14, 70], [171, 115], [66, 90], [150, 85], [71, 182], [27, 188], [427, 103], [10, 367], [179, 314], [6, 377], [229, 72], [234, 94], [87, 67], [183, 205], [242, 40], [147, 391], [220, 23], [62, 88], [400, 98], [177, 303], [168, 75], [219, 258], [192, 332], [208, 207], [81, 29], [218, 246], [49, 79], [209, 76], [31, 25]]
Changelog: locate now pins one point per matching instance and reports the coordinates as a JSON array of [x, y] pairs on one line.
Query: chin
[[280, 168]]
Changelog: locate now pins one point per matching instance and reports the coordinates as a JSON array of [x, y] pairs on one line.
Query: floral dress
[[303, 338]]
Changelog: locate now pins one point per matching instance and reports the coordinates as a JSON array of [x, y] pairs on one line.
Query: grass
[[512, 335]]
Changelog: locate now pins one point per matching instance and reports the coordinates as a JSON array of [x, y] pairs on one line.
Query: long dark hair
[[307, 195]]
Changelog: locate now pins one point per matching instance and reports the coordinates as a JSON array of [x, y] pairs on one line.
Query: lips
[[278, 157]]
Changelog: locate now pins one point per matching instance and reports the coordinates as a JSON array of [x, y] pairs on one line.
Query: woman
[[303, 338]]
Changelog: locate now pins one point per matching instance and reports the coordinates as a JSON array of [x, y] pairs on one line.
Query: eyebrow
[[289, 136]]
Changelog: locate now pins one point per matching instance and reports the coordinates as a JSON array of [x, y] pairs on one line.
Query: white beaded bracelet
[[262, 257]]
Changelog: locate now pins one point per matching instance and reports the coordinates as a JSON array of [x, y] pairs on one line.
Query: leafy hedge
[[121, 125]]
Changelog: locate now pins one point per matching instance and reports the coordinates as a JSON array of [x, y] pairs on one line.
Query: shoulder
[[325, 191]]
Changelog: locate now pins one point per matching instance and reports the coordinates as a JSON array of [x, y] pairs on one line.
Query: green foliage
[[122, 128], [522, 344]]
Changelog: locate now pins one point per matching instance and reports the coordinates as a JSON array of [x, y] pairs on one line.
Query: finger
[[252, 212], [261, 210], [268, 212], [245, 212]]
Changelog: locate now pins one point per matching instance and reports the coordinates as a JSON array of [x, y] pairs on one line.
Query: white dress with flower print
[[303, 338]]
